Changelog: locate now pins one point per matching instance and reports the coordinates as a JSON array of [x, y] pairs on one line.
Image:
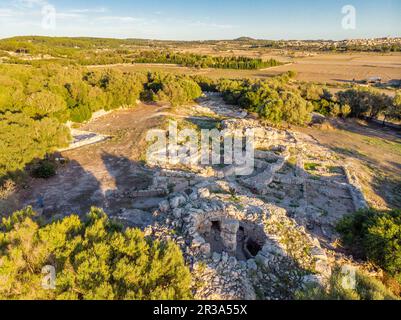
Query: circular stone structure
[[241, 239]]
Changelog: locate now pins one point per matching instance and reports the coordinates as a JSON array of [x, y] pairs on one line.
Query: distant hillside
[[245, 39]]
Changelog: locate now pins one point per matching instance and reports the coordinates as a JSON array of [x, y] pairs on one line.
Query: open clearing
[[346, 67], [94, 173]]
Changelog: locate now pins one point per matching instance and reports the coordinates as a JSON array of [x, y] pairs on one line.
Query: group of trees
[[94, 51], [176, 90], [203, 61], [375, 236], [323, 101], [278, 100], [368, 102], [358, 102], [35, 104], [273, 100], [93, 258]]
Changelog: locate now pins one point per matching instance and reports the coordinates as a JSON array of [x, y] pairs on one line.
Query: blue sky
[[197, 20]]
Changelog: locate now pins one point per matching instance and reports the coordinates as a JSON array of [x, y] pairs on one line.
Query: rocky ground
[[261, 236], [265, 235]]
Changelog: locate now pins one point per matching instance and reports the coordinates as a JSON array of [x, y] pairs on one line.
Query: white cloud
[[68, 15], [121, 19], [89, 10]]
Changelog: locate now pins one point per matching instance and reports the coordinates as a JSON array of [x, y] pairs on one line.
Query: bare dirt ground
[[94, 174], [374, 150]]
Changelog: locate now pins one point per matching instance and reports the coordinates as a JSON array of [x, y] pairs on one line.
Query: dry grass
[[375, 154], [320, 67]]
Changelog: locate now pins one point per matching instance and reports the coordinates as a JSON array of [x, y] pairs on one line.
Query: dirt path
[[95, 173]]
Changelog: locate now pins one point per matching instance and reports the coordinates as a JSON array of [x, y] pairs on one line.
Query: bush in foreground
[[376, 236], [44, 170], [366, 288], [94, 259]]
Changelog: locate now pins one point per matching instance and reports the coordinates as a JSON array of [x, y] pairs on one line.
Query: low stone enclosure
[[245, 236], [241, 242], [241, 239], [84, 138]]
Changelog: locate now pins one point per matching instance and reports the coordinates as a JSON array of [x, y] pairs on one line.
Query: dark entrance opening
[[216, 226], [253, 247]]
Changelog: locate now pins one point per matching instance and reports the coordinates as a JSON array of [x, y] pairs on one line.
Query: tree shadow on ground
[[75, 189], [369, 129]]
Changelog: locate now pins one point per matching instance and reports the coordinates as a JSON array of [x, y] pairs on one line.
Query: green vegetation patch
[[94, 259], [366, 288], [375, 236], [311, 166]]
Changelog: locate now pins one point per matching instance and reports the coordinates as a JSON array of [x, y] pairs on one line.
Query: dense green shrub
[[207, 84], [44, 170], [274, 100], [170, 88], [376, 236], [393, 112], [366, 288], [94, 259], [365, 101], [23, 139]]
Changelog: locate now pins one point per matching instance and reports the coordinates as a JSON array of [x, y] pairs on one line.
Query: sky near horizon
[[199, 20]]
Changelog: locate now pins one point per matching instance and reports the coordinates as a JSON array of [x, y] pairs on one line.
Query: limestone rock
[[177, 201], [204, 193], [164, 206]]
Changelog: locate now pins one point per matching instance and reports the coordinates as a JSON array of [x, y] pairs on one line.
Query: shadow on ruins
[[259, 236]]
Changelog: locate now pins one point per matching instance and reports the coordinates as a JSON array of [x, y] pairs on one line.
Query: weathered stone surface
[[177, 201], [204, 193], [164, 206], [291, 205]]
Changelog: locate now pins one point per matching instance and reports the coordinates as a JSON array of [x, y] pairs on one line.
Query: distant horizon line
[[203, 40]]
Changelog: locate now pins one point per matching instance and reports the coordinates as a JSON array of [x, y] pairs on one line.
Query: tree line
[[203, 61], [279, 99], [93, 51]]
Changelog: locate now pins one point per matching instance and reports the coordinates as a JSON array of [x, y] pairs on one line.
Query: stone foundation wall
[[355, 189]]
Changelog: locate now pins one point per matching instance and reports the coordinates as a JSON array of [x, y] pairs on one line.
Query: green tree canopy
[[93, 259]]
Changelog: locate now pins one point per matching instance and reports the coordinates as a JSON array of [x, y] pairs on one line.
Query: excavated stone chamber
[[240, 239]]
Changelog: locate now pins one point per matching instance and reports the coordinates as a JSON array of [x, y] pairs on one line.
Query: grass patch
[[335, 169], [394, 147], [309, 166]]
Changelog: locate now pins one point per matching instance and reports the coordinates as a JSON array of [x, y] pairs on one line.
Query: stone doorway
[[240, 239]]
